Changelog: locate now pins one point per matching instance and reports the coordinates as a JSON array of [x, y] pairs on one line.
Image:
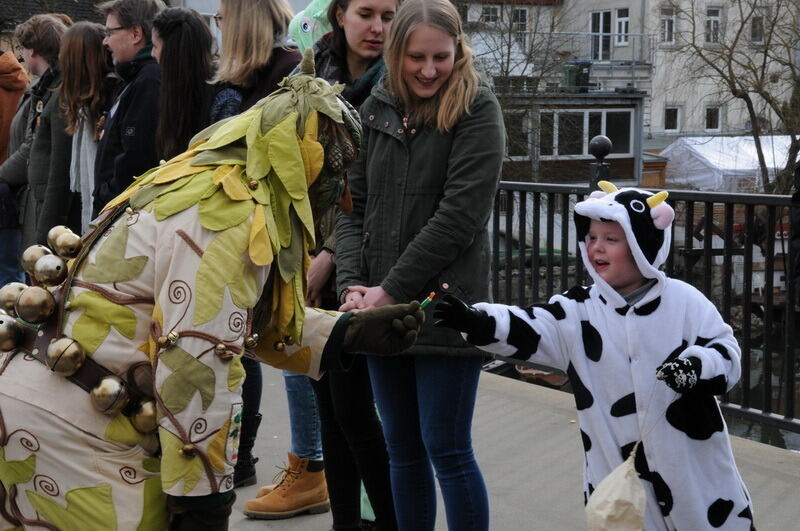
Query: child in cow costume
[[616, 340]]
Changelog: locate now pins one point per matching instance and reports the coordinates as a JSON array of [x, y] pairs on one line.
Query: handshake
[[384, 330]]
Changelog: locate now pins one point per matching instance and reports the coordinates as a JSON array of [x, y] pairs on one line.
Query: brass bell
[[110, 395], [173, 337], [31, 256], [65, 356], [68, 245], [251, 341], [54, 233], [35, 305], [162, 341], [145, 419], [188, 450], [289, 340], [50, 270], [8, 296], [252, 184], [226, 355], [10, 333], [219, 348], [280, 346]]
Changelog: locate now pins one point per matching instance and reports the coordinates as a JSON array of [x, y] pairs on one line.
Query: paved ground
[[527, 444]]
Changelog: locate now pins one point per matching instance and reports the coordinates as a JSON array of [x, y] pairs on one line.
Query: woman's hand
[[319, 272], [362, 298], [353, 299]]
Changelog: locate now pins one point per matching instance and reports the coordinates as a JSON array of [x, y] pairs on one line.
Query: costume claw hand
[[452, 312], [384, 330], [680, 374]]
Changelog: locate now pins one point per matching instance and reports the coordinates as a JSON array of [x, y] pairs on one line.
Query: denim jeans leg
[[447, 386], [413, 487], [303, 416], [9, 257]]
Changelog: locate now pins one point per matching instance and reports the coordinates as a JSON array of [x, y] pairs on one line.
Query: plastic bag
[[619, 500]]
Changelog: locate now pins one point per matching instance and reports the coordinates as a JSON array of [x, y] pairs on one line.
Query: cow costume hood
[[646, 219]]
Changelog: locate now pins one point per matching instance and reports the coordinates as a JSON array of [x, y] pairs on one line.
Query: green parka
[[422, 200]]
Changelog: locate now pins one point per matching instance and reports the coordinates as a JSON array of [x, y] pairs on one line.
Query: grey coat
[[422, 200], [48, 200]]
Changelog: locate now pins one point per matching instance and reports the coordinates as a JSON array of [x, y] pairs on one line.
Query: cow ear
[[663, 215], [597, 194]]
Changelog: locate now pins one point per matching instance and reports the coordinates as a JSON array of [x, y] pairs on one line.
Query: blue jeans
[[303, 416], [9, 257], [426, 405]]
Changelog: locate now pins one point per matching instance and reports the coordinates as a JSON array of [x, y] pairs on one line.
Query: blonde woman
[[254, 56], [422, 194]]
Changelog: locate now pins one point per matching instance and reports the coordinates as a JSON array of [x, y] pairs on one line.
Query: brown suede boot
[[299, 491]]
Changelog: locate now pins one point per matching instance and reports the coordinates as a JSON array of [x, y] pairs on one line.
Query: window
[[712, 119], [517, 133], [601, 35], [623, 27], [463, 12], [490, 14], [667, 26], [519, 25], [757, 27], [713, 24], [566, 133], [671, 119]]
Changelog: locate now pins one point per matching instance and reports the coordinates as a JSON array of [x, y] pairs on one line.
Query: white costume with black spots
[[611, 352]]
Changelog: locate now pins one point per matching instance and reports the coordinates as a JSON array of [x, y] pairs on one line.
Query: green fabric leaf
[[285, 156], [14, 472], [235, 373], [110, 264], [233, 154], [189, 376], [88, 509], [168, 204], [175, 466], [154, 507], [120, 430], [228, 131], [145, 195], [224, 263], [290, 259], [280, 202], [220, 212], [99, 315], [152, 464]]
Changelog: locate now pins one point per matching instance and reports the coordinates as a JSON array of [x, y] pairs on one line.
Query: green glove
[[385, 330]]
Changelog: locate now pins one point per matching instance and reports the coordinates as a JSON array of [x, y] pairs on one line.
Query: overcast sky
[[297, 5]]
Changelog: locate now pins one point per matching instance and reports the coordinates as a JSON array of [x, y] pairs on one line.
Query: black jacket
[[127, 147]]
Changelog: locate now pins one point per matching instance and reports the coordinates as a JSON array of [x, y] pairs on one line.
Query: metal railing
[[721, 243]]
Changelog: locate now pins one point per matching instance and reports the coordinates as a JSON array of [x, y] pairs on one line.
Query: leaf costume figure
[[201, 261]]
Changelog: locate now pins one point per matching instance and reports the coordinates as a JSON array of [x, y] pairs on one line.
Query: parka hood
[[12, 76], [646, 219]]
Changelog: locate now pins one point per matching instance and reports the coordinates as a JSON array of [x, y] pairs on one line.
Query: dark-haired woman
[[182, 46], [85, 94]]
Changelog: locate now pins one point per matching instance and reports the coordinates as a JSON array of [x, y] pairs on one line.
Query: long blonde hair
[[456, 95], [249, 31]]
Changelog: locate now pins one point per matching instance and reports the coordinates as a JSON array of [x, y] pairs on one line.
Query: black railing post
[[599, 147]]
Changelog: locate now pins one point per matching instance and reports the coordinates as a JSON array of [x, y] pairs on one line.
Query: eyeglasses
[[218, 20], [110, 31]]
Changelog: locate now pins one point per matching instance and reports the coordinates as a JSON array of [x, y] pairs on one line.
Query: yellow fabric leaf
[[175, 466], [285, 156], [216, 449], [120, 430], [233, 185], [311, 150], [227, 131], [218, 212], [260, 248], [236, 373], [171, 172]]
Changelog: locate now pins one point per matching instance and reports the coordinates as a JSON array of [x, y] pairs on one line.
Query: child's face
[[608, 250]]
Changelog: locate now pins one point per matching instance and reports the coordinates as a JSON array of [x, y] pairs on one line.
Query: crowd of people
[[96, 106]]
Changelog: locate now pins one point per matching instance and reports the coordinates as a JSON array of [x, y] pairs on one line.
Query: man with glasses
[[127, 135]]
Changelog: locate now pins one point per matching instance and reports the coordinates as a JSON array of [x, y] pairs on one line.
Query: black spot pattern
[[675, 353], [602, 299], [702, 341], [718, 512], [625, 451], [660, 487], [722, 350], [624, 406], [555, 309], [583, 397], [529, 312], [577, 293], [696, 414], [522, 337], [715, 386], [623, 310], [587, 442], [592, 341], [647, 309], [648, 237], [486, 336], [746, 513]]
